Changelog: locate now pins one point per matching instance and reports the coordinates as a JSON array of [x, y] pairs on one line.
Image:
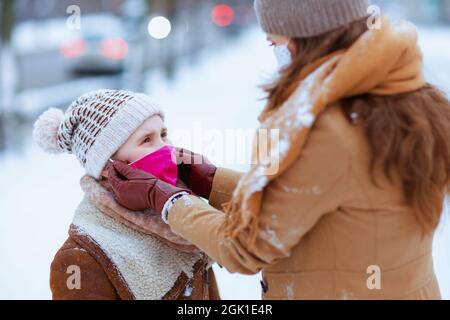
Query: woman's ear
[[292, 48]]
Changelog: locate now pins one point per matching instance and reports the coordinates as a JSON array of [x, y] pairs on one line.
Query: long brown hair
[[408, 133]]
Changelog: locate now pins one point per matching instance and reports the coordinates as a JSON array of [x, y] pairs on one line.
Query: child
[[104, 258]]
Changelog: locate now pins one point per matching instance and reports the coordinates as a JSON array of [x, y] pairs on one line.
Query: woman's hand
[[196, 171], [138, 190]]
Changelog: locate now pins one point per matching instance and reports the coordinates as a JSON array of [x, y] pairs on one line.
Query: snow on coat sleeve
[[292, 204]]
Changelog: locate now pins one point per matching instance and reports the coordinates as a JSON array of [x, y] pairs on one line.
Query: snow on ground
[[206, 105]]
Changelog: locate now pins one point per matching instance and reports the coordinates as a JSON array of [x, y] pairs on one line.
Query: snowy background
[[216, 93]]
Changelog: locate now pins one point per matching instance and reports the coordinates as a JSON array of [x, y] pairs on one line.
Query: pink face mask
[[161, 163]]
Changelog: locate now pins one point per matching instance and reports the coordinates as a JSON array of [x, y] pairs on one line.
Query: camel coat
[[326, 230]]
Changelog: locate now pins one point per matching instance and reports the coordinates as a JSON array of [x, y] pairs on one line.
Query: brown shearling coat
[[99, 281]]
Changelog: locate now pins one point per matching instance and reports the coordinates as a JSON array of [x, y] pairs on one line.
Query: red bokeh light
[[222, 15], [73, 49], [114, 48]]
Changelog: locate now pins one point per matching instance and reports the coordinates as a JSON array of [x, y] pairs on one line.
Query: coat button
[[264, 286]]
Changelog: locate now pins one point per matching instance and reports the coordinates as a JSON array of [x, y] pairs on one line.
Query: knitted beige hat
[[94, 127], [308, 18]]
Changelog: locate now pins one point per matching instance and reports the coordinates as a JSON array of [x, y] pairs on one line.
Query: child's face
[[149, 137]]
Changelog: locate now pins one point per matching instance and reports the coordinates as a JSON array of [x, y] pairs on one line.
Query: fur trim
[[46, 130], [100, 194], [147, 266]]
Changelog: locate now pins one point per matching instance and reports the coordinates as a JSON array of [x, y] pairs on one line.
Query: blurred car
[[99, 46]]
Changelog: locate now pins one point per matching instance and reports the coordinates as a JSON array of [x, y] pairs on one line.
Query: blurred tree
[[165, 47], [135, 14], [445, 10], [6, 26], [6, 20], [170, 65]]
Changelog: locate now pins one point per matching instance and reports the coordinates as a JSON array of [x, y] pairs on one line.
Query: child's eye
[[146, 140], [164, 134]]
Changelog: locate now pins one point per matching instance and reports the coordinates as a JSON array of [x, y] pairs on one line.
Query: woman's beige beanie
[[308, 18]]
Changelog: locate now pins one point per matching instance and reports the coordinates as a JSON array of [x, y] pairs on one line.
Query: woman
[[364, 165]]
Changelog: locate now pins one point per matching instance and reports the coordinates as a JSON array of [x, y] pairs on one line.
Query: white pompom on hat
[[95, 126], [46, 130]]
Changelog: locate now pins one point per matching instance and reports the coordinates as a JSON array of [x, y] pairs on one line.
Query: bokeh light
[[114, 48], [222, 15], [159, 27], [73, 48]]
